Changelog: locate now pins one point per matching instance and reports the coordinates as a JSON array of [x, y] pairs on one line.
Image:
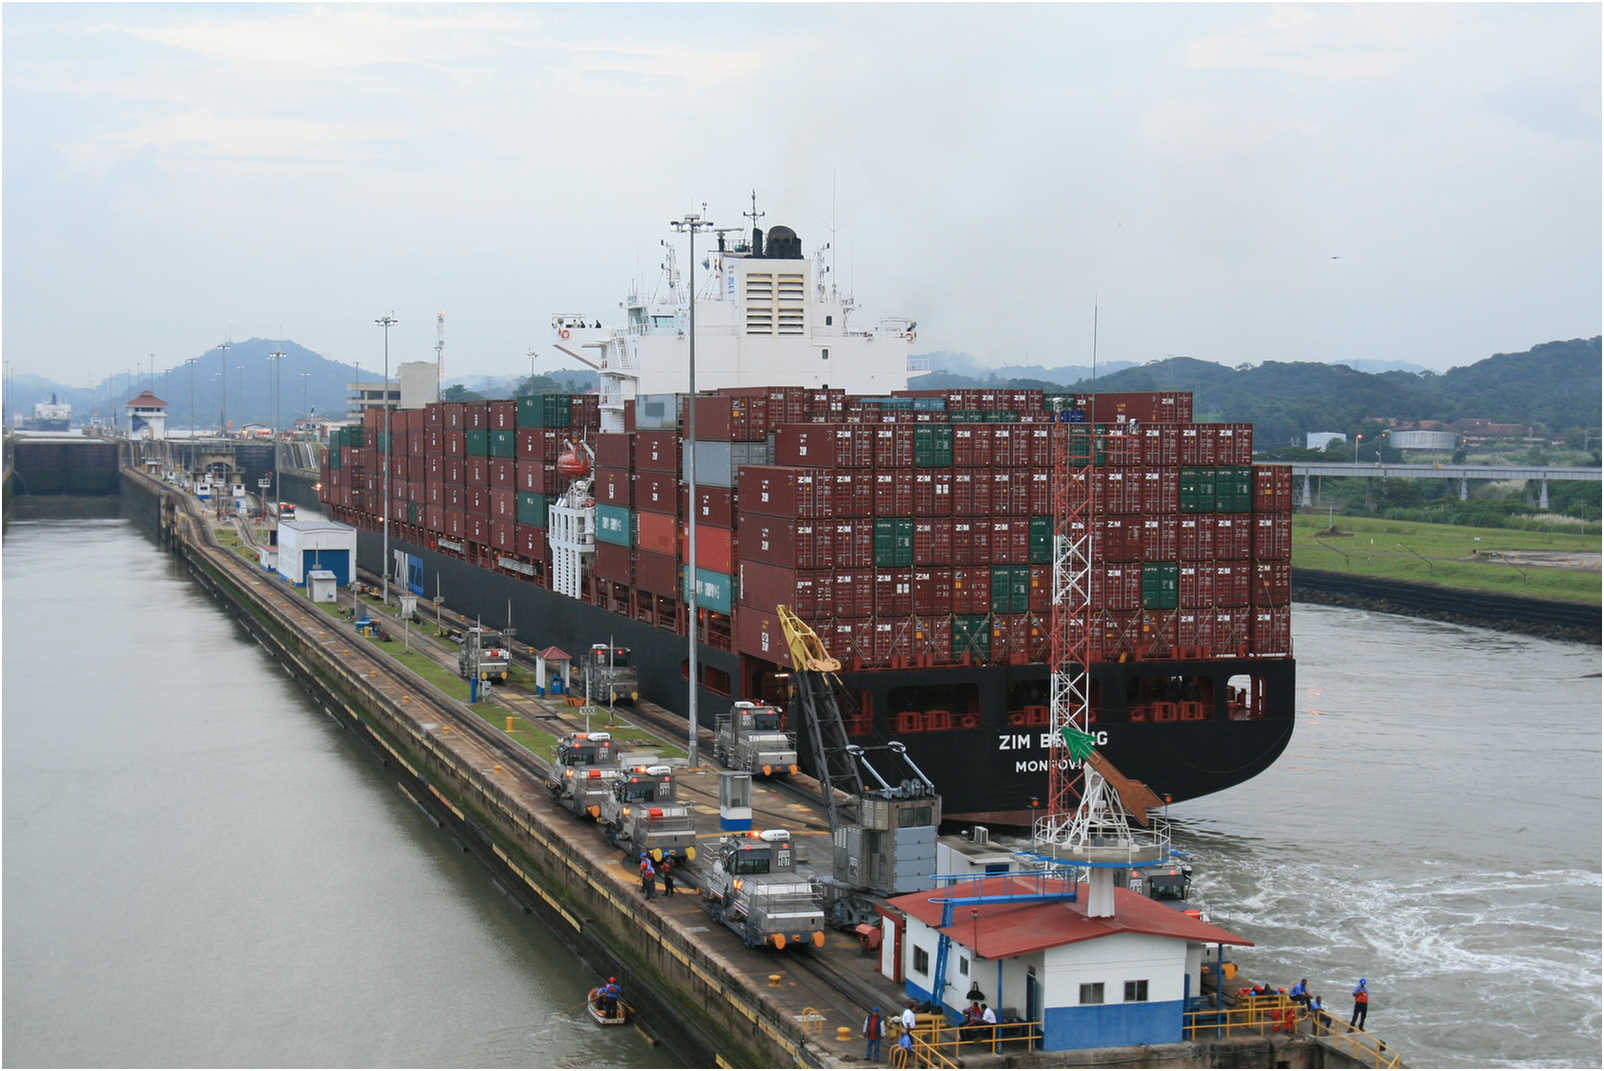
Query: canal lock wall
[[707, 1011]]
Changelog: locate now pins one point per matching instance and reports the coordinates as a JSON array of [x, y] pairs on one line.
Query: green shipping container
[[412, 513], [334, 454], [1080, 444], [971, 634], [1010, 589], [712, 590], [1197, 490], [545, 410], [1041, 540], [478, 442], [615, 525], [382, 444], [531, 508], [893, 542], [355, 435], [932, 446], [1233, 489], [1160, 586], [503, 442]]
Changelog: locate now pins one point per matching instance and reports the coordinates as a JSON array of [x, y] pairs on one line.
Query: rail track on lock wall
[[396, 682]]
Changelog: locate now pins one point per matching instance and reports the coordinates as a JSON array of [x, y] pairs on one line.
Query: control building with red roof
[[1092, 982]]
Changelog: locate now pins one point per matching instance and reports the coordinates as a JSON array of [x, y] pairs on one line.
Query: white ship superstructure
[[764, 317]]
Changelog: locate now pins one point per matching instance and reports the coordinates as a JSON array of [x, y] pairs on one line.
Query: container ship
[[912, 529]]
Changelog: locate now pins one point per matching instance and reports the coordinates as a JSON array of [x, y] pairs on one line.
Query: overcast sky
[[1234, 183]]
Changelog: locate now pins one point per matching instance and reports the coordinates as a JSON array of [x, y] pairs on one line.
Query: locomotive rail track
[[843, 997]]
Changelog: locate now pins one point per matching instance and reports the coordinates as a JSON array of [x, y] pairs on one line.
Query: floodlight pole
[[689, 224], [386, 322], [276, 356]]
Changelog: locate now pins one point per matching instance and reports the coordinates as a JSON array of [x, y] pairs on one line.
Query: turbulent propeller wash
[[913, 530]]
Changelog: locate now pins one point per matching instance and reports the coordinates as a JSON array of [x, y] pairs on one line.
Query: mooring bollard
[[510, 720]]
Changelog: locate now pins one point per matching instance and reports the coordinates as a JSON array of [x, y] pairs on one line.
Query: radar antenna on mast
[[757, 232]]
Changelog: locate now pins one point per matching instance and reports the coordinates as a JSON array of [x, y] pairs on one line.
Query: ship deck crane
[[815, 676]]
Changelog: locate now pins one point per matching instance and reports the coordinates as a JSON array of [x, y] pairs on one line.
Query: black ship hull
[[988, 757]]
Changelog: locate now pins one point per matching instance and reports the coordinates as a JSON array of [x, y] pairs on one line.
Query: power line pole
[[386, 322], [222, 413], [689, 224], [276, 356]]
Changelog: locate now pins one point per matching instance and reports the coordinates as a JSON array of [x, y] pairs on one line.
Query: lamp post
[[306, 393], [276, 356], [222, 413], [1356, 440], [191, 361], [386, 322], [689, 224]]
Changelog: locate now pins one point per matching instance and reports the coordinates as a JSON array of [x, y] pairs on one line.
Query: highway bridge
[[1463, 473]]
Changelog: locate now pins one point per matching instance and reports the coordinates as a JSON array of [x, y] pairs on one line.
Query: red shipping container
[[456, 525], [538, 477], [893, 447], [971, 590], [612, 562], [757, 633], [478, 529], [931, 640], [657, 492], [434, 415], [732, 416], [1272, 631], [1231, 583], [1116, 539], [1271, 584], [854, 593], [1195, 536], [1196, 583], [1121, 491], [1040, 451], [853, 544], [476, 416], [658, 533], [478, 501], [970, 495], [453, 413], [611, 486], [780, 542], [1120, 448], [612, 449], [434, 442], [832, 446], [1041, 588], [1233, 444], [766, 586], [1040, 503], [893, 494], [932, 591], [1010, 496], [1272, 489], [971, 446], [1116, 587], [657, 451], [893, 643], [454, 471], [853, 494], [715, 506], [1198, 444], [1233, 537], [851, 641], [503, 471], [893, 593], [932, 542], [1272, 538], [503, 505], [1161, 446], [1117, 633], [657, 573], [1194, 632], [1010, 541], [503, 415], [434, 519], [1232, 634], [1161, 491], [456, 498], [933, 492], [1158, 633], [456, 444], [417, 470], [1157, 537], [501, 535], [1157, 407], [1012, 445], [778, 491], [715, 549]]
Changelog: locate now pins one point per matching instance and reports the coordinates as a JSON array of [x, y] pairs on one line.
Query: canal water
[[202, 870]]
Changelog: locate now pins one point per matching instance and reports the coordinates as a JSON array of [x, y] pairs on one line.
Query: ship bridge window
[[829, 320], [824, 354]]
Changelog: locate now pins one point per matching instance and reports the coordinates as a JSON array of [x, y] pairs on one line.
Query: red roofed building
[[1093, 982]]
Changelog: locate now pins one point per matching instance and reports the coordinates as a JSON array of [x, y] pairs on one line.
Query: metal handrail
[[930, 1042], [1261, 1015]]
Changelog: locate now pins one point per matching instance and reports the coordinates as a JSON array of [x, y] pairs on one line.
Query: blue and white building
[[1119, 979], [304, 546]]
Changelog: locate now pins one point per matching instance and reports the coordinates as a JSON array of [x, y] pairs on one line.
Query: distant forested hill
[[1555, 384]]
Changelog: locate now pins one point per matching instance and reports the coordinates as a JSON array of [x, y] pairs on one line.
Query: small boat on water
[[598, 1010]]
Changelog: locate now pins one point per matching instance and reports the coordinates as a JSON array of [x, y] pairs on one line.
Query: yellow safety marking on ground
[[544, 895], [721, 1062], [448, 803]]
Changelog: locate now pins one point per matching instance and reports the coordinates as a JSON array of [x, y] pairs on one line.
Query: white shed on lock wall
[[308, 545]]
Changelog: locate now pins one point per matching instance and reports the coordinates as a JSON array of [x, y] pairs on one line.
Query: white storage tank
[[304, 546]]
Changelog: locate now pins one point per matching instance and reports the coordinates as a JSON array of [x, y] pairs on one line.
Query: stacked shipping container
[[914, 529]]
